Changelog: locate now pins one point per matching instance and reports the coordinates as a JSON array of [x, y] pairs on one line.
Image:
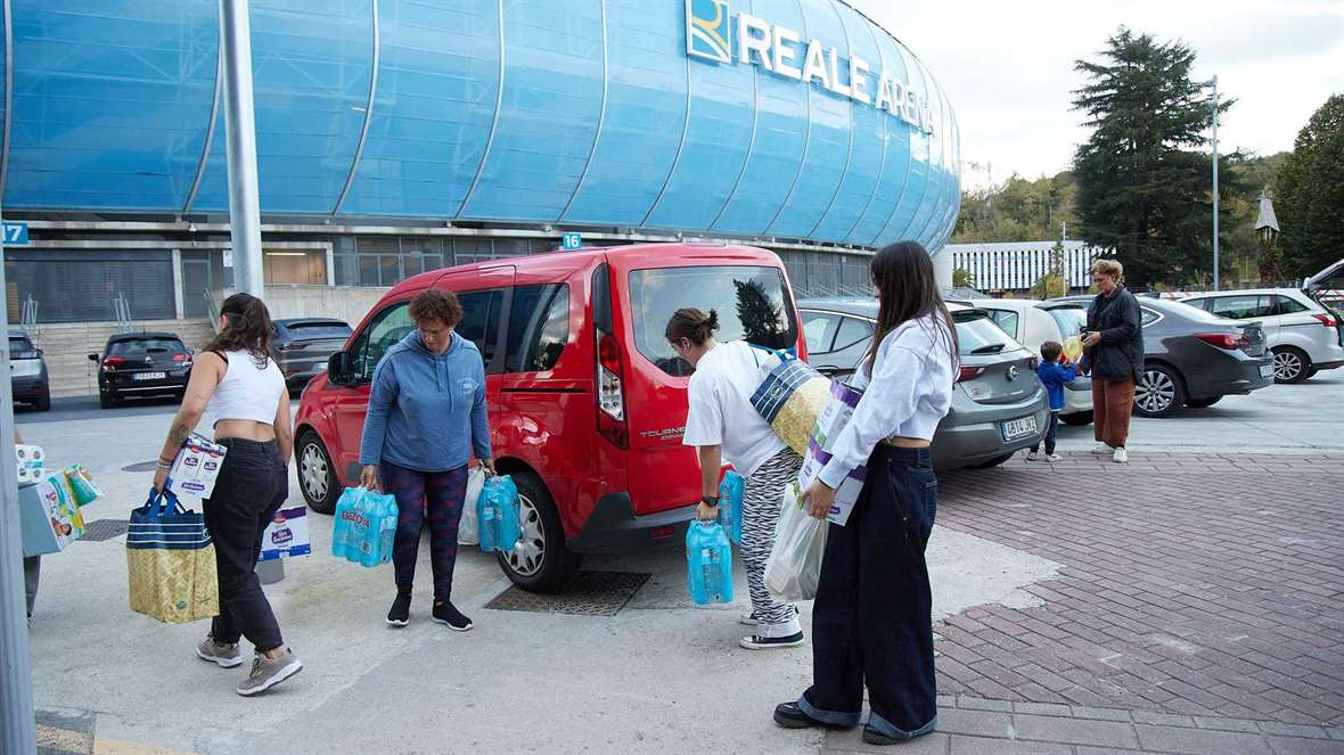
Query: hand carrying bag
[[170, 562]]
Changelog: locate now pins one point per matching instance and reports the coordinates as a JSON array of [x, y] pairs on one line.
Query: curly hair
[[247, 328], [434, 304]]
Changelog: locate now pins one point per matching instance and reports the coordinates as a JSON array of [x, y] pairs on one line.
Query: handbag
[[790, 397], [170, 562]]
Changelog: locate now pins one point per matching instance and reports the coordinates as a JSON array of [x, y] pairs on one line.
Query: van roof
[[581, 258]]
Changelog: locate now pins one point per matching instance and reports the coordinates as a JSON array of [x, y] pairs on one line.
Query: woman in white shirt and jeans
[[723, 426], [872, 620]]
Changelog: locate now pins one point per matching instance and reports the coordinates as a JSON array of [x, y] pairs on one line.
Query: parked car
[[28, 377], [303, 346], [998, 407], [1032, 323], [139, 365], [1193, 358], [587, 400], [1304, 336]]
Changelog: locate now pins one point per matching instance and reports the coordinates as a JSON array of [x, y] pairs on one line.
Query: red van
[[587, 400]]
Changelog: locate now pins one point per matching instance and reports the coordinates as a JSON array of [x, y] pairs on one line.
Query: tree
[[1053, 283], [963, 278], [1310, 202], [1017, 210], [762, 321], [1144, 185]]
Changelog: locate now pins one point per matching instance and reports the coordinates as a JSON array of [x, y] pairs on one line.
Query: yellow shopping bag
[[170, 562]]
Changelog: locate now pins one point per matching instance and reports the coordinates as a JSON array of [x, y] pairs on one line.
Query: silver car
[[998, 405], [1304, 336]]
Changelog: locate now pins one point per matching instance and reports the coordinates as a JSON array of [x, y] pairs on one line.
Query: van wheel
[[317, 478], [1077, 419], [539, 562]]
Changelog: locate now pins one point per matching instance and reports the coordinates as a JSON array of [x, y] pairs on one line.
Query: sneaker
[[400, 613], [1052, 458], [1033, 456], [268, 672], [1121, 456], [225, 655], [1101, 448], [790, 716], [757, 642], [446, 613]]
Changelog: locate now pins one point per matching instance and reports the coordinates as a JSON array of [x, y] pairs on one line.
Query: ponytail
[[247, 328], [693, 325]]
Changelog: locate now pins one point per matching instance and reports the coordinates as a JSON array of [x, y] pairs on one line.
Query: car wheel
[[1291, 365], [317, 478], [44, 402], [539, 562], [1203, 403], [994, 462], [1158, 392], [107, 400], [1077, 419]]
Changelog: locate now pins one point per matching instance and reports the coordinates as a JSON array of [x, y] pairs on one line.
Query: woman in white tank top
[[236, 382]]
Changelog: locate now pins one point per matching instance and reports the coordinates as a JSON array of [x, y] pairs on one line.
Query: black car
[[137, 365], [1193, 358], [303, 346], [28, 372]]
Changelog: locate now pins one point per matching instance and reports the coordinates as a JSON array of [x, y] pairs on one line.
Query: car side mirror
[[340, 369], [93, 357]]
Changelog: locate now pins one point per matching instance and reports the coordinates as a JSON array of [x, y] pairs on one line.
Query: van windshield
[[750, 302]]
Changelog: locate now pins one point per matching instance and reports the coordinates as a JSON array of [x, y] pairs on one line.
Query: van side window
[[481, 311], [538, 328], [388, 327]]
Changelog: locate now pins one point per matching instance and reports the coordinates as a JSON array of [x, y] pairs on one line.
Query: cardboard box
[[196, 468], [49, 518], [31, 461]]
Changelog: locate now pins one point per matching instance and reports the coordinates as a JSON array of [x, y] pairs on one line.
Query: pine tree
[[762, 321], [1310, 202]]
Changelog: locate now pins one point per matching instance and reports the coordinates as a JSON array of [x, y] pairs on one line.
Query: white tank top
[[247, 392]]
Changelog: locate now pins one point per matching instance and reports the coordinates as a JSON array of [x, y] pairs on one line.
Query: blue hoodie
[[427, 411], [1054, 375]]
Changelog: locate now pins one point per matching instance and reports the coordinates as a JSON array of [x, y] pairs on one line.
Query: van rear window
[[750, 302]]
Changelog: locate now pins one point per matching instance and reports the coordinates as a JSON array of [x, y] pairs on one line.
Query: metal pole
[[16, 670], [1216, 276], [235, 41]]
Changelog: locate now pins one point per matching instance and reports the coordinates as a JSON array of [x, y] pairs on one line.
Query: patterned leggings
[[760, 513], [442, 493]]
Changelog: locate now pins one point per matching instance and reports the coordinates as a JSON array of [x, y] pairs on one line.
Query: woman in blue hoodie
[[426, 418]]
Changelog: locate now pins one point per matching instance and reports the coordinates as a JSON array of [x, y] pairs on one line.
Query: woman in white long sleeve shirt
[[872, 620]]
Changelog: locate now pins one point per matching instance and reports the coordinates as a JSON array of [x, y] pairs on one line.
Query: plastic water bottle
[[731, 491], [383, 527], [497, 514], [709, 561]]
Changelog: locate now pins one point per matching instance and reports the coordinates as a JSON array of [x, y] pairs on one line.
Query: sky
[[1008, 68]]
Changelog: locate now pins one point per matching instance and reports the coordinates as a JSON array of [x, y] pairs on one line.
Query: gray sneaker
[[226, 655], [267, 673]]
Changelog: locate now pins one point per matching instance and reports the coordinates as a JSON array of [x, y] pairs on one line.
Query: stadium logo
[[709, 30]]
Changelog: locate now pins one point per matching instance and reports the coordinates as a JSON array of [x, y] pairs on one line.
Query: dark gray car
[[303, 346], [1193, 358], [998, 405]]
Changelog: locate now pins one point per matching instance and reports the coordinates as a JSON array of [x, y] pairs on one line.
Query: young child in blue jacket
[[1054, 372]]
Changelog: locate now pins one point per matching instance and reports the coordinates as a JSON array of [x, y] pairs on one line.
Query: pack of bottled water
[[497, 514], [366, 525], [709, 562], [731, 490]]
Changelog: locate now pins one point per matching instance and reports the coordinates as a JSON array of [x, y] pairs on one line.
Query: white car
[[1304, 336], [1032, 323]]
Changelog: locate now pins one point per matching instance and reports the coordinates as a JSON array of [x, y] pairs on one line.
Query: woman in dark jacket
[[1114, 343]]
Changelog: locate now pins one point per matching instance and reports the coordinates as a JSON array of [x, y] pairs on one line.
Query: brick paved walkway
[[1196, 586]]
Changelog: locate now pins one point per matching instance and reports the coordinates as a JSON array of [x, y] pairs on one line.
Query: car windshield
[[977, 334], [1071, 320], [314, 330], [142, 346], [750, 303]]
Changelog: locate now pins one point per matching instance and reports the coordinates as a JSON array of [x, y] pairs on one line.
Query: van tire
[[317, 475], [558, 563]]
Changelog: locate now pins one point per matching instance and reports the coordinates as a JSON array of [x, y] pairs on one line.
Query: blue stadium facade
[[400, 134]]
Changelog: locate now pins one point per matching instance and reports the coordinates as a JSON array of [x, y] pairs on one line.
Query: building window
[[303, 268]]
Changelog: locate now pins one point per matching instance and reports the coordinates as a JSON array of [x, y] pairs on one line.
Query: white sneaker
[[1120, 456], [1052, 458], [1101, 449], [1033, 456], [756, 642]]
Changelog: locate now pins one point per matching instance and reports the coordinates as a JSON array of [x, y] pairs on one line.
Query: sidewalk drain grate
[[143, 466], [104, 529], [590, 593]]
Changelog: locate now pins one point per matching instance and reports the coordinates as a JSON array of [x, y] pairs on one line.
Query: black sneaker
[[446, 613], [400, 613], [874, 737], [790, 716], [757, 642]]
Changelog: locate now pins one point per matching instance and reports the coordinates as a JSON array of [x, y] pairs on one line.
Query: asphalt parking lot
[[1187, 602]]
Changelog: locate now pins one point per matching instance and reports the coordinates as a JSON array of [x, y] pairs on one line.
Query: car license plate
[[1266, 370], [1019, 428], [150, 375]]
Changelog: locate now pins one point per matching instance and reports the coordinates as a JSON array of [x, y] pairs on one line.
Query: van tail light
[[1228, 341], [1325, 320], [611, 419], [110, 364], [969, 373]]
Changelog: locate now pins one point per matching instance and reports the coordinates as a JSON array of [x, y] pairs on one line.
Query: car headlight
[[26, 368]]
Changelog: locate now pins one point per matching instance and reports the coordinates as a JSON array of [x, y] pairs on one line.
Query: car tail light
[[611, 420], [970, 373], [1325, 320], [110, 364], [1227, 341], [181, 357]]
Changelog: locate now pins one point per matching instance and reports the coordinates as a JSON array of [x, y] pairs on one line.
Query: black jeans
[[872, 621], [1051, 425], [252, 484]]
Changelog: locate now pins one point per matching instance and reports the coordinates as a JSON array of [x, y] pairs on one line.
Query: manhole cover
[[144, 466], [591, 593], [104, 529]]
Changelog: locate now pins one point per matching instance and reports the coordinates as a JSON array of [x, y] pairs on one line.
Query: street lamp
[[1216, 272]]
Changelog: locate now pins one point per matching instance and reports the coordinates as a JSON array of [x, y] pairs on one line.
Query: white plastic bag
[[794, 568], [468, 530]]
